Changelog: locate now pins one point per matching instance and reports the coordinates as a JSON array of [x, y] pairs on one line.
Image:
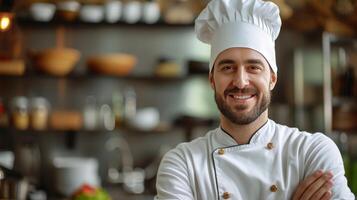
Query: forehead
[[239, 54]]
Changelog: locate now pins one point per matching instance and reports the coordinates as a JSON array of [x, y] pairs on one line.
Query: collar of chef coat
[[262, 136]]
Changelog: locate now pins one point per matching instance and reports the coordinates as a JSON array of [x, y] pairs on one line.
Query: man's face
[[242, 81]]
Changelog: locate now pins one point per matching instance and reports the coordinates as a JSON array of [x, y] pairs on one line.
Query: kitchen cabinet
[[321, 82], [148, 42], [340, 86], [340, 97], [173, 97], [324, 76]]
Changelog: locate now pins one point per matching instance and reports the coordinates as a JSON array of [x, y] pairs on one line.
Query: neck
[[242, 133]]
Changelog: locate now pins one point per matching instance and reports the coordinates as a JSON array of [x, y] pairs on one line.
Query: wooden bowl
[[112, 64], [65, 120], [57, 61]]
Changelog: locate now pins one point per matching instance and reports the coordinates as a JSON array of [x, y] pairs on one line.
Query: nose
[[241, 79]]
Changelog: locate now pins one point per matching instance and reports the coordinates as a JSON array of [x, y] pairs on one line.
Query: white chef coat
[[271, 166]]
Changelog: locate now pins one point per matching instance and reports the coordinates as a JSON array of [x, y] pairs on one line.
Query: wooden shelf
[[347, 131], [91, 76], [161, 128], [28, 22], [338, 101], [342, 41]]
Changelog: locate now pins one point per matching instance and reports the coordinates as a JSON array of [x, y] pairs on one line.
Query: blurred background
[[96, 91]]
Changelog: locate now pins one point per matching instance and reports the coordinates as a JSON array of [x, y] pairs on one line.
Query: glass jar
[[20, 115], [39, 113]]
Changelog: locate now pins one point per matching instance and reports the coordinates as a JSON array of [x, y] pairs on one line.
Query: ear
[[273, 80], [211, 79]]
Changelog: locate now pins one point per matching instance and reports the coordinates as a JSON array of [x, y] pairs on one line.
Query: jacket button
[[273, 188], [270, 146], [226, 195], [221, 151]]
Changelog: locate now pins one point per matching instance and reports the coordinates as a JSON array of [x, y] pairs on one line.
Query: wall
[[190, 95]]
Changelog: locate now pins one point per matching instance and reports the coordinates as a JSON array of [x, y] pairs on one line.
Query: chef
[[249, 156]]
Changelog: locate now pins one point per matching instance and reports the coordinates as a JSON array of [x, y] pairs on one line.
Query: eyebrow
[[249, 61], [254, 61], [225, 61]]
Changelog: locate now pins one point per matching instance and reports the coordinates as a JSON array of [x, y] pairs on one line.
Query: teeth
[[242, 97]]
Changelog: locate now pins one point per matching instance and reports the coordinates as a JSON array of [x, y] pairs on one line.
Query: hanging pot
[[12, 185]]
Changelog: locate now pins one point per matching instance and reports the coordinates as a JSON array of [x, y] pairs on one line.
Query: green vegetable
[[87, 192]]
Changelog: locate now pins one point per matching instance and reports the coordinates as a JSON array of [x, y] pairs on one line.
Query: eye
[[254, 68], [227, 68]]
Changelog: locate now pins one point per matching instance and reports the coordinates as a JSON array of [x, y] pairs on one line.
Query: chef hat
[[253, 24]]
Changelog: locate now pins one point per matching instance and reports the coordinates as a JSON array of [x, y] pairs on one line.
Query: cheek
[[221, 84], [262, 84]]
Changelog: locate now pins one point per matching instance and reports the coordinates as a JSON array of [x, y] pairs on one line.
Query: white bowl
[[146, 119], [72, 6], [113, 11], [132, 12], [91, 13], [42, 11], [7, 159], [72, 172], [151, 12]]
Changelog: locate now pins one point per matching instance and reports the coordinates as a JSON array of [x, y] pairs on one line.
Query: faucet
[[132, 179]]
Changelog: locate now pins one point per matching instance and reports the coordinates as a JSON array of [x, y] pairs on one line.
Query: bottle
[[106, 118], [118, 108], [130, 104], [90, 114]]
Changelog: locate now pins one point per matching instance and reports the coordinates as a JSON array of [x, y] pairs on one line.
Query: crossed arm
[[315, 187], [323, 167]]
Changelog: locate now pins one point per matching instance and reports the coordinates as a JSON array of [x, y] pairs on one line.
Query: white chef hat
[[253, 24]]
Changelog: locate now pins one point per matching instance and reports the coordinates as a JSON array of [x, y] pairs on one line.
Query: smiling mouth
[[241, 97]]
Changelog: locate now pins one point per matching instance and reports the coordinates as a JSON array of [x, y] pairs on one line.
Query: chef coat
[[273, 163]]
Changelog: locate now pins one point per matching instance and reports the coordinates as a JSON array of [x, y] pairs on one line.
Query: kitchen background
[[97, 91]]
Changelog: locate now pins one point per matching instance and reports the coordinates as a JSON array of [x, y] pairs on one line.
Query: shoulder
[[174, 176], [320, 140], [311, 148], [315, 150], [189, 150], [320, 147], [303, 138], [310, 144], [198, 146], [291, 137]]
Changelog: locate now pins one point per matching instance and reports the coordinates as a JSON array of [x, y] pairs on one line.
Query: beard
[[242, 119]]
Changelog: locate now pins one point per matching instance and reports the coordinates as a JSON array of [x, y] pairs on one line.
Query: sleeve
[[172, 181], [322, 153]]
